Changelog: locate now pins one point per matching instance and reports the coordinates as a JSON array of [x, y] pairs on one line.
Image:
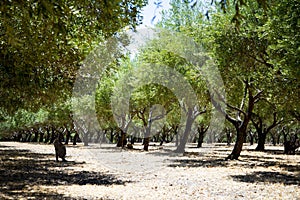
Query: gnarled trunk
[[36, 135], [201, 132], [68, 135], [76, 136], [241, 132], [122, 139], [41, 139], [146, 143], [180, 148], [261, 141]]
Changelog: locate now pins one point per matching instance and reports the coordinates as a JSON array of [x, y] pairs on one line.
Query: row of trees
[[43, 44], [256, 58], [258, 62]]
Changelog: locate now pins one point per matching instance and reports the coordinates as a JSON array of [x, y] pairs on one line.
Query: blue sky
[[151, 10]]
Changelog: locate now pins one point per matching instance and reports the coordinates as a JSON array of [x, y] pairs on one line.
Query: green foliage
[[43, 43], [260, 49], [282, 33], [24, 119]]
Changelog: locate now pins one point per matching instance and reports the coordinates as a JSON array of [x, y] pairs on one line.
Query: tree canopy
[[253, 45], [44, 41]]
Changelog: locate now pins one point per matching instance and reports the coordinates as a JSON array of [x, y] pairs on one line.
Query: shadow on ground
[[274, 151], [22, 170], [268, 177], [198, 163], [214, 159], [287, 172]]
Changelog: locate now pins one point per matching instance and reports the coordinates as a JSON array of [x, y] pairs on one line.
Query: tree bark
[[146, 143], [41, 139], [201, 132], [200, 140], [262, 132], [48, 135], [85, 139], [122, 140], [261, 141], [251, 138], [147, 136], [75, 138], [187, 130], [229, 138], [239, 123], [52, 138], [68, 135], [28, 139], [241, 131], [36, 135], [112, 135], [177, 140]]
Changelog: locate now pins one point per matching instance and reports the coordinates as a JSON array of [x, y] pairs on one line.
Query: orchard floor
[[29, 171]]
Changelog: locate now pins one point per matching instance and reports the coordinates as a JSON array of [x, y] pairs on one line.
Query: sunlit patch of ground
[[105, 172]]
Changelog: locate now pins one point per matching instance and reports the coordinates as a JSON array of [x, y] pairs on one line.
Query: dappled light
[[21, 171], [149, 99], [268, 177]]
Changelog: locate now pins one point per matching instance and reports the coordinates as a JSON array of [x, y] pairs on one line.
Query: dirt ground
[[29, 171]]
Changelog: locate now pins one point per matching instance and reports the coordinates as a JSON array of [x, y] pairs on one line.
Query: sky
[[152, 10]]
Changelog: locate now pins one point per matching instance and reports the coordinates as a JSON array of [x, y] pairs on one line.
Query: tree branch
[[245, 94], [275, 122], [235, 108], [257, 96], [256, 124], [219, 108], [196, 112]]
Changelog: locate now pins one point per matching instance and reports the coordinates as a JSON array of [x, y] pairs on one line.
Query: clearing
[[29, 170]]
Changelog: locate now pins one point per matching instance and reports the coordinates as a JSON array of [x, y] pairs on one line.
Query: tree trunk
[[52, 135], [147, 138], [187, 130], [41, 139], [241, 135], [112, 135], [122, 140], [36, 135], [262, 132], [98, 137], [176, 140], [200, 140], [132, 139], [28, 139], [261, 141], [68, 135], [24, 136], [146, 143], [75, 138], [176, 135], [47, 135], [278, 138], [183, 141], [163, 138], [201, 132], [42, 133], [229, 138], [251, 138], [274, 140], [85, 139], [19, 136], [103, 138]]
